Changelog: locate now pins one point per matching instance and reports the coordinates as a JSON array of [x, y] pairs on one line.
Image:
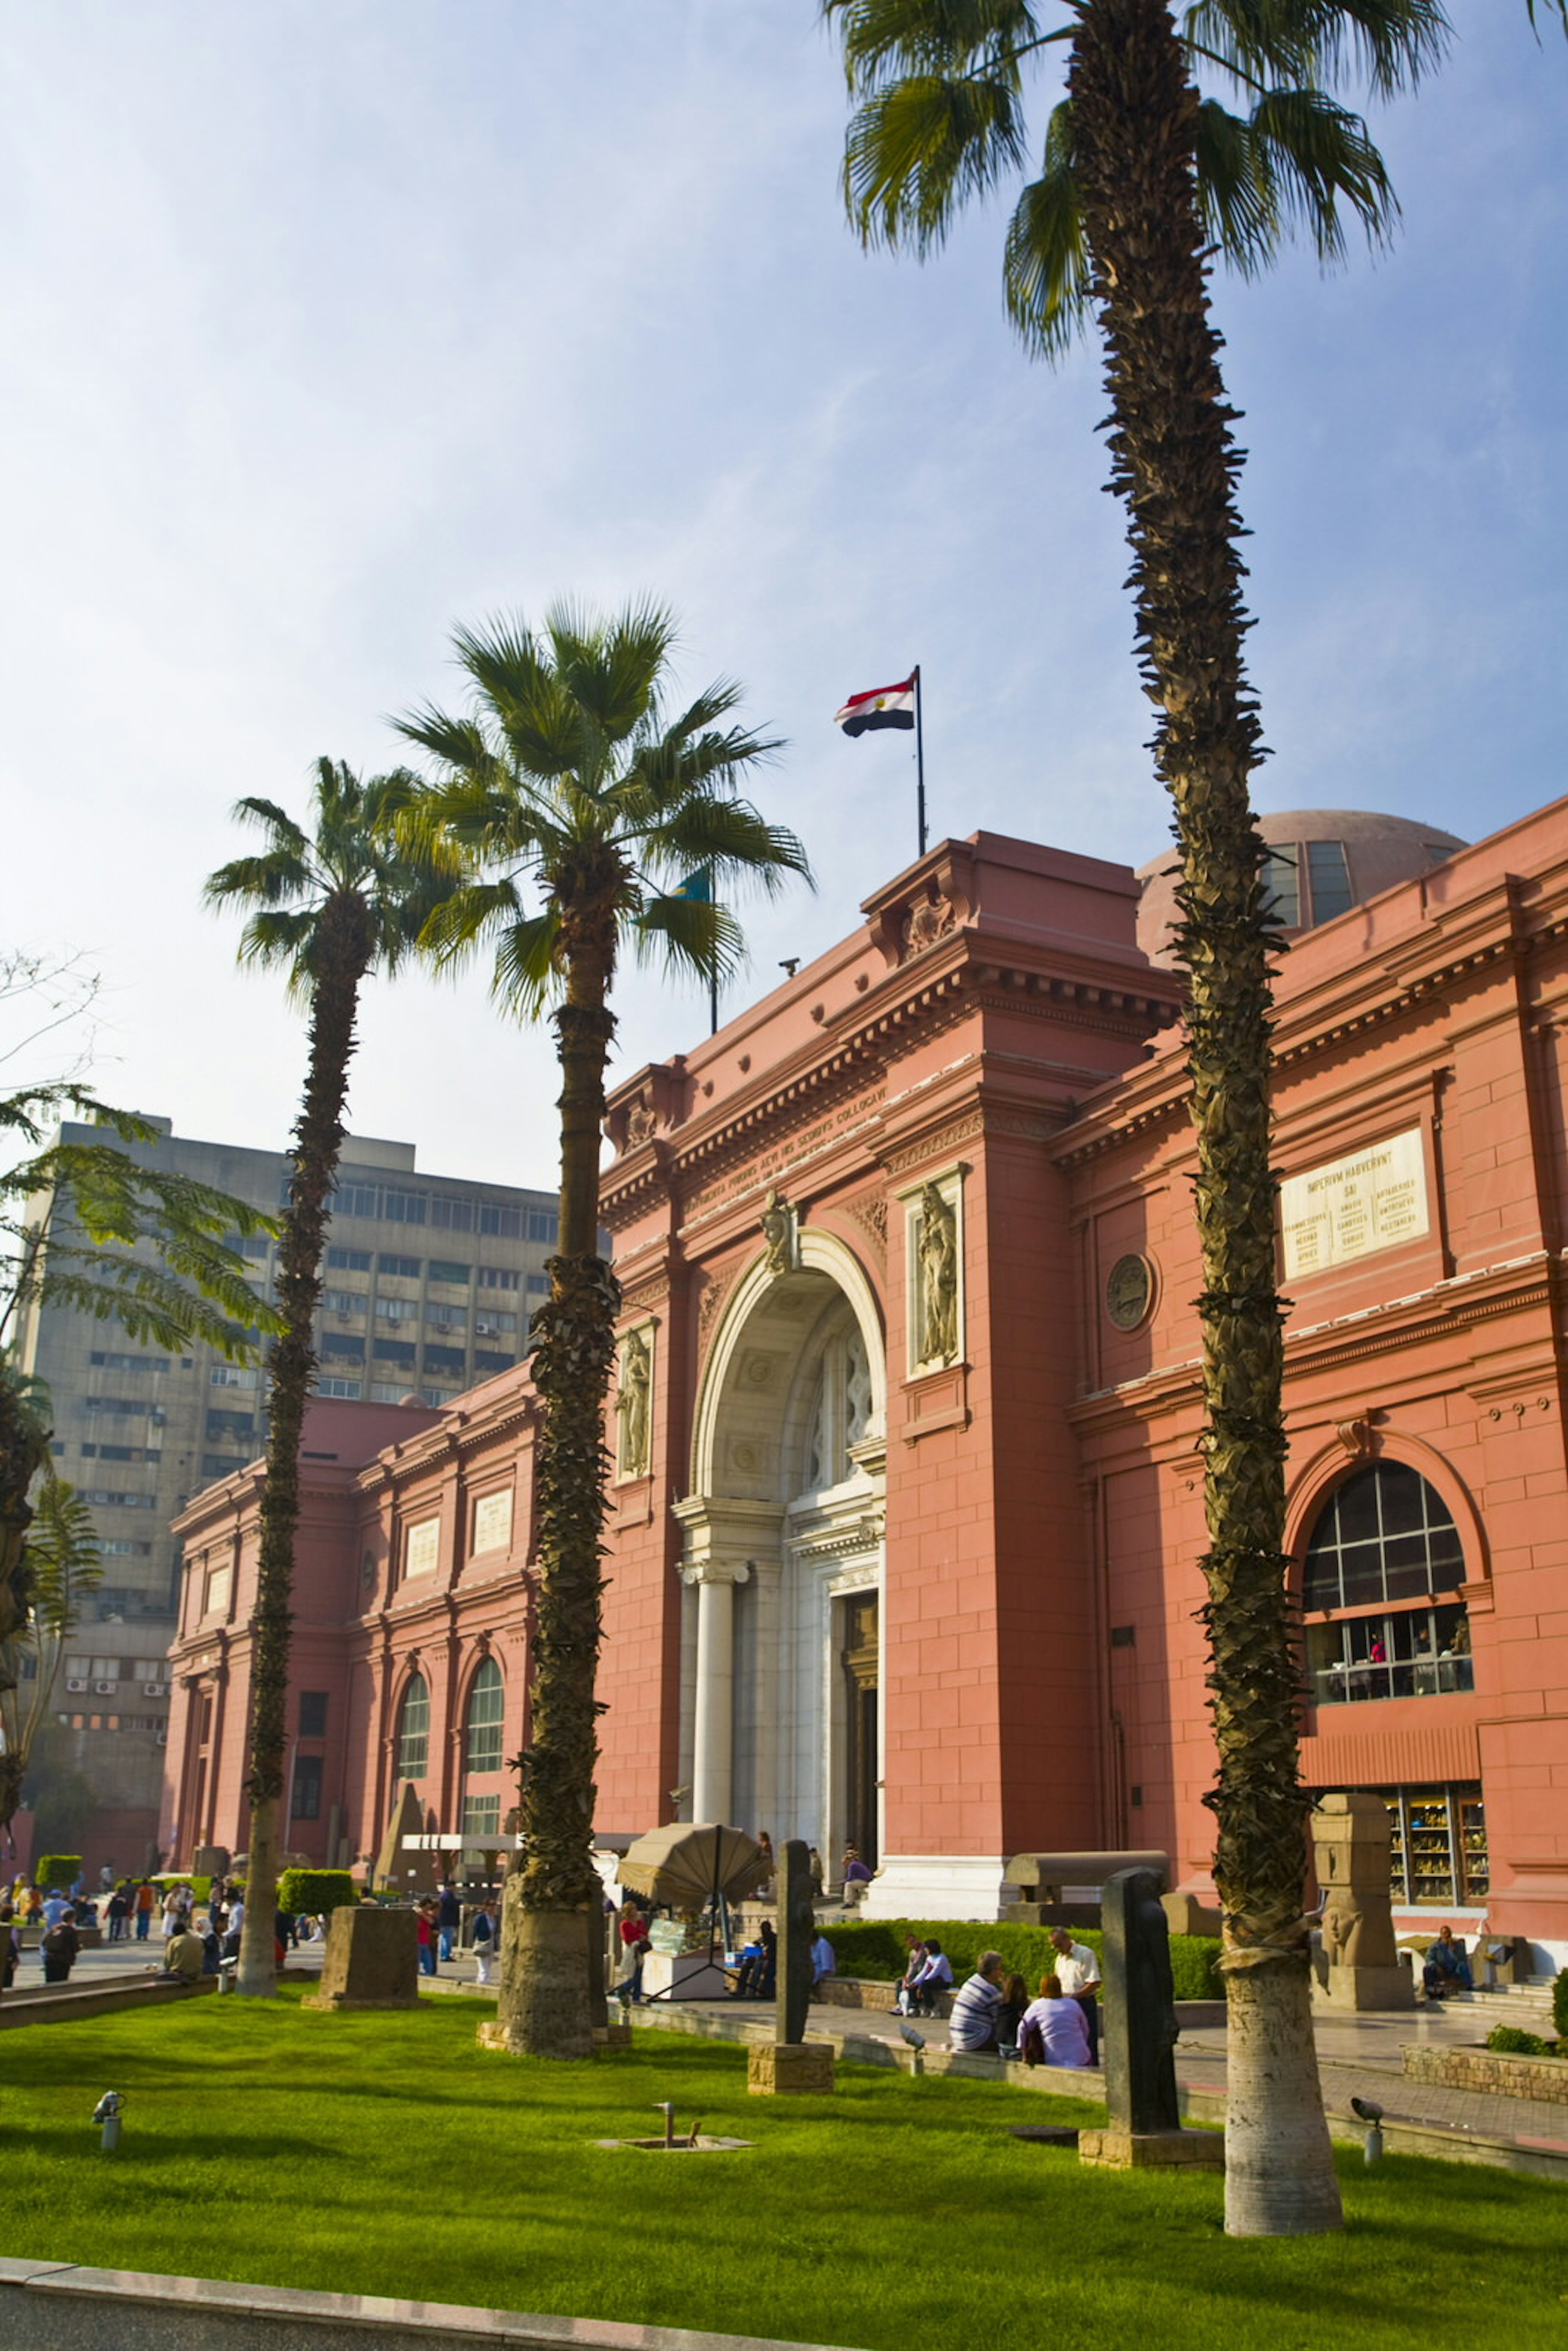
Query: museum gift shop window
[[1382, 1554]]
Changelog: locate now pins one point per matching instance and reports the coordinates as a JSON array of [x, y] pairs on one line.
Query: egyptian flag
[[885, 706]]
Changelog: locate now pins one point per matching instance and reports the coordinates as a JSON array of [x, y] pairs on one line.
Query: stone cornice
[[1465, 1302]]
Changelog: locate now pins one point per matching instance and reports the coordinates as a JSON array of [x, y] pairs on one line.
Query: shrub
[[877, 1948], [1559, 2004], [1510, 2042], [200, 1886], [58, 1871], [311, 1892]]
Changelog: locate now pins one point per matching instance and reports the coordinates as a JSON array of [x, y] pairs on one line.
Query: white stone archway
[[783, 1554]]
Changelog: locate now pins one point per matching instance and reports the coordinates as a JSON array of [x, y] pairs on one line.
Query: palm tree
[[580, 803], [1142, 178], [330, 906], [87, 1227]]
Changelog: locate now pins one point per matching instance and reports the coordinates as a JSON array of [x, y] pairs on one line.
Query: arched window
[[413, 1730], [1382, 1551], [487, 1701], [841, 1409]]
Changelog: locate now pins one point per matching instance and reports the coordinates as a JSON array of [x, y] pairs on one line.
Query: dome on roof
[[1322, 863]]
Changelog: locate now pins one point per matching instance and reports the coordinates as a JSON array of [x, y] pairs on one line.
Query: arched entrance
[[784, 1527]]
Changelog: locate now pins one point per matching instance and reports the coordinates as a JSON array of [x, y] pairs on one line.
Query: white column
[[715, 1742]]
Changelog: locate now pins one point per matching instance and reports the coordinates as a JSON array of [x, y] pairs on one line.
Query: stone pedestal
[[1122, 2150], [1358, 1961], [371, 1960], [777, 2067]]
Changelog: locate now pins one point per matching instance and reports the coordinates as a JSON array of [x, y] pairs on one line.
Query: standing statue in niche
[[632, 1403], [938, 1251], [779, 1235]]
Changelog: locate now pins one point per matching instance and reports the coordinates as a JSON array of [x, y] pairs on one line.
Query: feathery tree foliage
[[1145, 173], [87, 1227], [330, 906], [573, 803], [61, 1563]]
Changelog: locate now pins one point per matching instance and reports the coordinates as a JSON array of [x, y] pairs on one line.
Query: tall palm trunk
[[1175, 465], [555, 1908], [343, 950], [22, 1454]]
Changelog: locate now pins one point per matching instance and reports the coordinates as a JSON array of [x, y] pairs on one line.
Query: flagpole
[[713, 1004], [920, 757]]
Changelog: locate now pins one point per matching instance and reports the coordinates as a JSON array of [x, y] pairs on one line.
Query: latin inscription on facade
[[493, 1521], [1373, 1199], [422, 1548]]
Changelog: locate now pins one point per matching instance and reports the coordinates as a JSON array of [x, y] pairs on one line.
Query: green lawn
[[385, 2154]]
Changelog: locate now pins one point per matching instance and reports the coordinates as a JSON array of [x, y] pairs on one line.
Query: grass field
[[384, 2154]]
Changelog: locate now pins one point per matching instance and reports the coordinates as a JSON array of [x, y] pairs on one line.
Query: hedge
[[311, 1892], [60, 1870], [877, 1949], [200, 1886], [1510, 2041]]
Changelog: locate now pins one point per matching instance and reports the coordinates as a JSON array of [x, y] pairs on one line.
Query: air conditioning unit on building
[[76, 1684], [154, 1689], [106, 1689]]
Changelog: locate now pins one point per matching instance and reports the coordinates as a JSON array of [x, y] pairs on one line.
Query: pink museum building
[[907, 1509]]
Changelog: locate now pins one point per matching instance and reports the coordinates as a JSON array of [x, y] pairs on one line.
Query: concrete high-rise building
[[428, 1285]]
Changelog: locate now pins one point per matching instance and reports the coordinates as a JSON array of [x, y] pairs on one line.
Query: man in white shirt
[[1078, 1972]]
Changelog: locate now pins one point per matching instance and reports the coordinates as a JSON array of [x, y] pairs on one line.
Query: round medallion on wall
[[1129, 1291]]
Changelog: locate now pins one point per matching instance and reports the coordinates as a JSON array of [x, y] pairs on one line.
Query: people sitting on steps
[[1447, 1967]]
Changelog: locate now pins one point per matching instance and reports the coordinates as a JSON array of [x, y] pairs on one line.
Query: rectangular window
[[255, 1245], [343, 1345], [115, 1500], [230, 1424], [422, 1548], [313, 1714], [233, 1375], [1416, 1653], [354, 1200], [405, 1207], [388, 1391], [505, 1223], [222, 1465], [452, 1214], [305, 1805], [538, 1285], [345, 1260], [493, 1522], [486, 1361], [490, 1323], [444, 1359], [1281, 888], [445, 1318], [1330, 878], [121, 1548], [397, 1309], [110, 1363], [342, 1302], [447, 1269], [117, 1407], [481, 1816], [498, 1277], [1439, 1845], [407, 1268], [394, 1351], [544, 1225], [334, 1386]]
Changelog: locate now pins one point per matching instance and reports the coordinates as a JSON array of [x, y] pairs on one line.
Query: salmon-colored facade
[[906, 1522]]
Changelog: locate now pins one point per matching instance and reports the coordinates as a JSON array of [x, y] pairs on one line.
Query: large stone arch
[[784, 1572]]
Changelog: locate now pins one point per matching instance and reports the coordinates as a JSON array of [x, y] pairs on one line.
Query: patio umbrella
[[684, 1865]]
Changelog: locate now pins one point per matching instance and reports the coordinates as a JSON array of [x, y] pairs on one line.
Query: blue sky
[[331, 323]]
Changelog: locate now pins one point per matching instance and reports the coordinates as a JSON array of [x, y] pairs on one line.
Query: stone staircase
[[1526, 2005]]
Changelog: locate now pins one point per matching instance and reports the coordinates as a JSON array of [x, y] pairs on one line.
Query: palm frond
[[457, 925], [525, 972], [732, 838], [1045, 261], [267, 880], [920, 147], [690, 935], [1312, 155], [882, 37]]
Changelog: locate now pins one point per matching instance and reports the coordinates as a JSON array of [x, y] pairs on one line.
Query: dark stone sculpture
[[1139, 2002], [797, 1933]]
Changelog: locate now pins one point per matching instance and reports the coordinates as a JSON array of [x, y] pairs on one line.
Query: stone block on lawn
[[775, 2067], [1122, 2150], [371, 1960]]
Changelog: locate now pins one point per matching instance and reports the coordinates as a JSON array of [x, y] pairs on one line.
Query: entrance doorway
[[859, 1657]]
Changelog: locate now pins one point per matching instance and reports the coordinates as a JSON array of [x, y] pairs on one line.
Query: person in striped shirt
[[972, 2026]]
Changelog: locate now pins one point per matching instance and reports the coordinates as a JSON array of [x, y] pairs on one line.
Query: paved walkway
[[1359, 2056]]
